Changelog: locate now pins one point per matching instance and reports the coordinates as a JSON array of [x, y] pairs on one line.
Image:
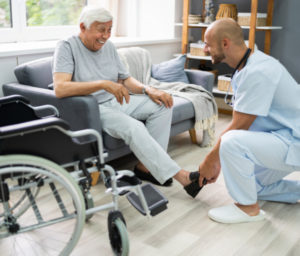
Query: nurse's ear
[[226, 43]]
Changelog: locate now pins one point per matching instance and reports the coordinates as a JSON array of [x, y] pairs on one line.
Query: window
[[53, 13], [30, 20], [156, 18], [146, 18], [5, 17]]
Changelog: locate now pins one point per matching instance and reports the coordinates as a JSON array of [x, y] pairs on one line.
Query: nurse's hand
[[210, 168]]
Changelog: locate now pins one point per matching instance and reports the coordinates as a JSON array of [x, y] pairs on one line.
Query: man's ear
[[225, 43], [82, 27]]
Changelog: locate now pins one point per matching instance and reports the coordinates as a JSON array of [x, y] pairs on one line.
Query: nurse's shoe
[[231, 214]]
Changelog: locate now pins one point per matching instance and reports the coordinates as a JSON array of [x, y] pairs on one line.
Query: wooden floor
[[184, 228]]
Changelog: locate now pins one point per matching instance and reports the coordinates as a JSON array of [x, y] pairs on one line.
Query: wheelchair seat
[[40, 137]]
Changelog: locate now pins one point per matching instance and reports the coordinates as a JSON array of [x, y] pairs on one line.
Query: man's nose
[[206, 49], [105, 34]]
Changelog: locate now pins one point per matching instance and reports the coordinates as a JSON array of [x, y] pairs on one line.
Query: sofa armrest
[[81, 112], [200, 77]]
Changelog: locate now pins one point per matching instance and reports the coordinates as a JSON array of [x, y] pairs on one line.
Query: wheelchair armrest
[[14, 98], [80, 112], [33, 125], [200, 77]]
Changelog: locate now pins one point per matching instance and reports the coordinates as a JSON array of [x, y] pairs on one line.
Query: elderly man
[[88, 63], [261, 145]]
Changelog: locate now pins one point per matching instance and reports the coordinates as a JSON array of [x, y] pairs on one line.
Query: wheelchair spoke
[[58, 199], [44, 214], [34, 206]]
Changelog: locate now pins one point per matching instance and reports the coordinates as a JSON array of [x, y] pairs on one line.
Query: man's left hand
[[210, 168], [160, 97]]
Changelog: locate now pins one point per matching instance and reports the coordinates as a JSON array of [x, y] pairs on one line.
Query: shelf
[[203, 25], [263, 27], [198, 25], [198, 57], [218, 92], [189, 56], [186, 26]]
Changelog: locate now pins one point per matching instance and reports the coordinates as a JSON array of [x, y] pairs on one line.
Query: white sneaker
[[232, 214]]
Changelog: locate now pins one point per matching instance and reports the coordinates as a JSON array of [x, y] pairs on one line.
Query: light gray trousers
[[145, 127], [253, 164]]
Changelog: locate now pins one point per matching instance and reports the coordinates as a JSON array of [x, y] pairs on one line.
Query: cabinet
[[251, 36], [252, 28]]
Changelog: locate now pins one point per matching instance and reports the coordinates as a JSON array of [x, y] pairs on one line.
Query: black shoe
[[194, 188], [148, 177]]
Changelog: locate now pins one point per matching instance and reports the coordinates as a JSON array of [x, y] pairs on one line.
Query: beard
[[218, 58]]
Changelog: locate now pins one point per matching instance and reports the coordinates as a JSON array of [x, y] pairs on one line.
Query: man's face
[[96, 36], [214, 48]]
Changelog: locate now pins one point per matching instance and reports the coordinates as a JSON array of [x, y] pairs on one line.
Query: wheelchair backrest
[[15, 109]]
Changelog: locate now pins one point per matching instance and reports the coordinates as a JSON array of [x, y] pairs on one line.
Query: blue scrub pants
[[253, 165], [145, 127]]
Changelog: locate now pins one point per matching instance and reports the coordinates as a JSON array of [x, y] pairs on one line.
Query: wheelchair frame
[[24, 178]]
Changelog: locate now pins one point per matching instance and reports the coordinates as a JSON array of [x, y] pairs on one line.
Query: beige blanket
[[138, 62]]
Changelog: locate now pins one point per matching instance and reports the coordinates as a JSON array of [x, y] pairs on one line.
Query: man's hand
[[210, 168], [160, 97], [119, 91]]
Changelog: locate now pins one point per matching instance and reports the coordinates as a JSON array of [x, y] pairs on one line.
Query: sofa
[[82, 112]]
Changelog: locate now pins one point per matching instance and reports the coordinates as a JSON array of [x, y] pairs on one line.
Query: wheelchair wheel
[[51, 206], [118, 235]]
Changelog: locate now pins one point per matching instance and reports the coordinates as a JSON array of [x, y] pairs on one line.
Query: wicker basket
[[197, 49], [224, 83], [244, 19], [194, 19], [227, 11]]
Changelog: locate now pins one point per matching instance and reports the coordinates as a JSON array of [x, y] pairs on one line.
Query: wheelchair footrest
[[155, 200]]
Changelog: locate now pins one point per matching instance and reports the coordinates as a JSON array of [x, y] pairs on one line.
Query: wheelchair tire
[[53, 221], [118, 235]]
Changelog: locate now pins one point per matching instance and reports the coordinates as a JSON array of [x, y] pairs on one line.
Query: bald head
[[226, 28], [224, 41]]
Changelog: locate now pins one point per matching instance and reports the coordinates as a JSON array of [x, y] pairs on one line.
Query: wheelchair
[[45, 182]]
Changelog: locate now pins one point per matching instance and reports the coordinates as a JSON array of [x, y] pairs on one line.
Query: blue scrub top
[[266, 89]]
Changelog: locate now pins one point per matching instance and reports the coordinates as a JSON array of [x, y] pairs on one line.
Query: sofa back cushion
[[170, 70], [36, 73]]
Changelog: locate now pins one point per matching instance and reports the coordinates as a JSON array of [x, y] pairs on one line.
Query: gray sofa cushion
[[112, 143], [182, 110], [36, 73]]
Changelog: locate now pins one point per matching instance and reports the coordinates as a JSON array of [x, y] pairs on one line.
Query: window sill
[[26, 48]]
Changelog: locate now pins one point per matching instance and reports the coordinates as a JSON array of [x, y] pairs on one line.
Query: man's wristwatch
[[144, 89]]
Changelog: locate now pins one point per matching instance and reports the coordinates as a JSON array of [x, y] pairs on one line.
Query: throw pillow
[[170, 71]]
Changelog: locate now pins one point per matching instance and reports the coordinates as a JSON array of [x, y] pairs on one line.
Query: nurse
[[261, 145]]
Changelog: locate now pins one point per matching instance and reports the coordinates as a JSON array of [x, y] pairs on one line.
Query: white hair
[[90, 14]]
